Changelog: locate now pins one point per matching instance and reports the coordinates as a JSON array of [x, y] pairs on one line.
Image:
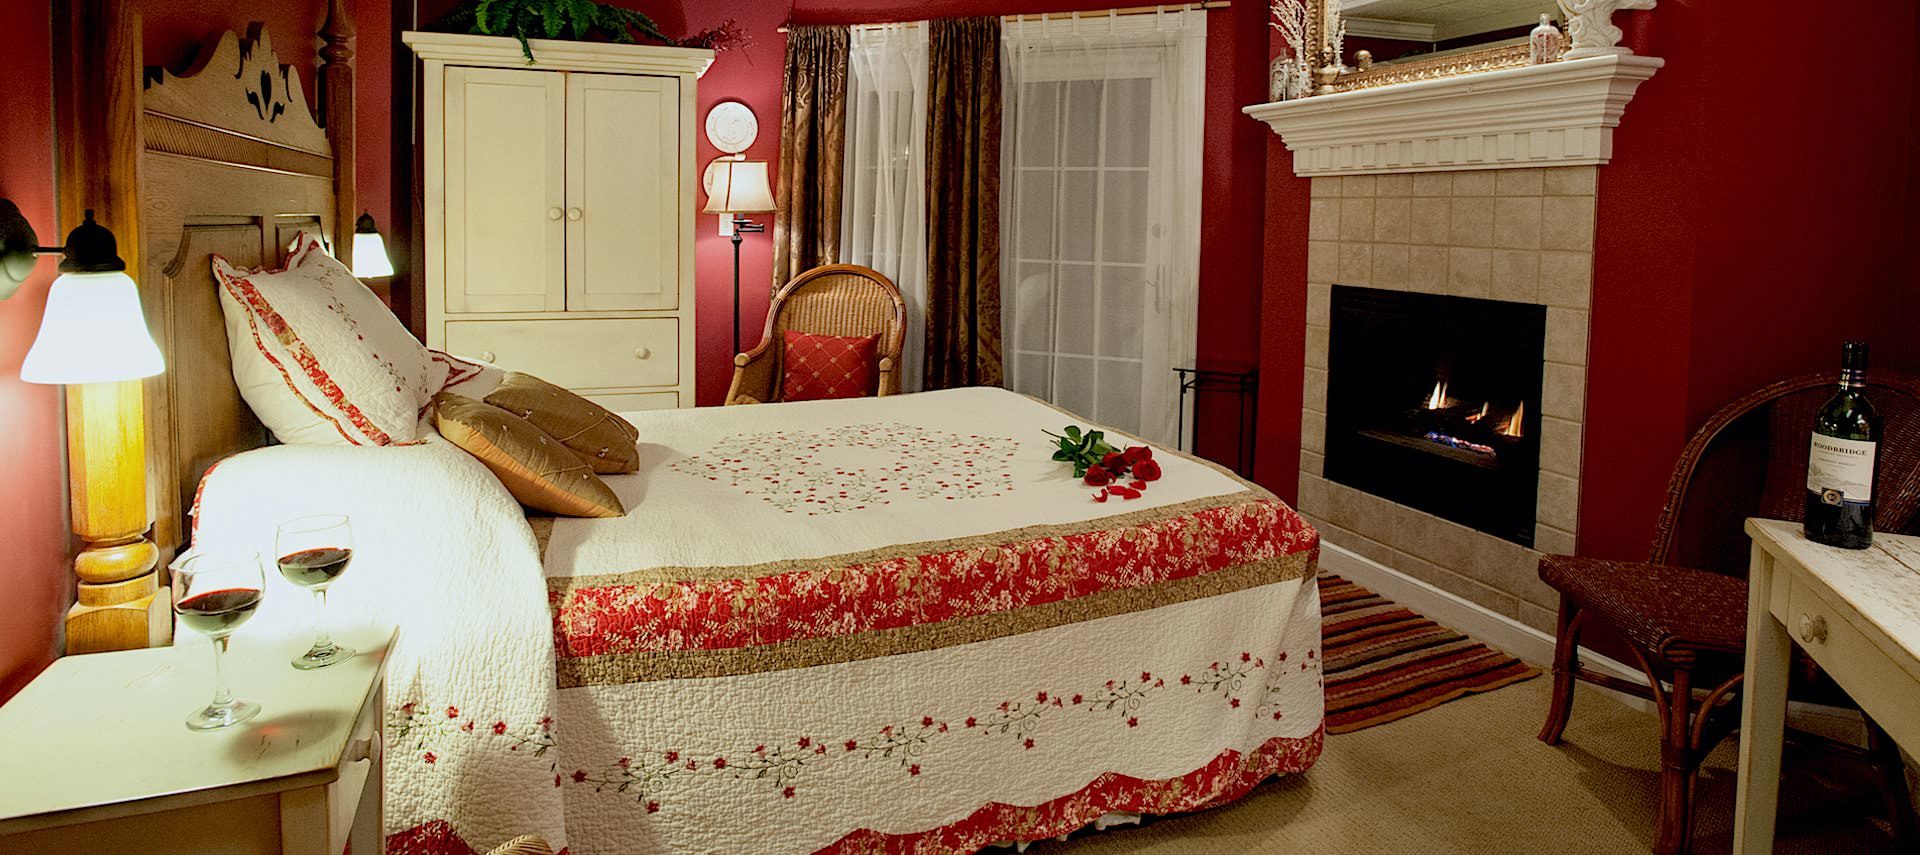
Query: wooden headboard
[[230, 161]]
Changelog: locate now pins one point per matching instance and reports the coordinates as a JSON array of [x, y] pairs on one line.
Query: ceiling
[[1438, 20]]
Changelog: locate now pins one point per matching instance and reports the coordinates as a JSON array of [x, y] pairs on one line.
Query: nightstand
[[98, 757]]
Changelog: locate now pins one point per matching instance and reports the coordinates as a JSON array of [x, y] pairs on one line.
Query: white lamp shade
[[93, 332], [370, 259], [739, 187]]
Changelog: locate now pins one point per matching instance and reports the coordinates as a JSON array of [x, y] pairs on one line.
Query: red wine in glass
[[216, 614], [213, 593], [313, 552], [312, 568]]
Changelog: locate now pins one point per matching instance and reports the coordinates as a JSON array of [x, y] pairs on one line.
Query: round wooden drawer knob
[[1813, 629], [641, 353], [555, 213], [573, 214], [487, 356]]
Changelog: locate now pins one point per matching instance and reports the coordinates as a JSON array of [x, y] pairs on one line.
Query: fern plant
[[550, 19]]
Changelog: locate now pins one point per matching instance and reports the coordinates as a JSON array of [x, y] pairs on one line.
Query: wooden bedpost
[[118, 603], [336, 100]]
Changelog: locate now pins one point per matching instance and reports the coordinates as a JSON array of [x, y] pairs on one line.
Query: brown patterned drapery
[[963, 204], [813, 130]]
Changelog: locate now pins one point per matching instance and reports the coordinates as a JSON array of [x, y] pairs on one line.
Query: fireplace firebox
[[1434, 402]]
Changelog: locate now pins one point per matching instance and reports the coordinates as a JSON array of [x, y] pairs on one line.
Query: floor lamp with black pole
[[738, 187]]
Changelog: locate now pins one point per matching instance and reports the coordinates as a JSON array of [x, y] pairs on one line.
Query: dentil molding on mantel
[[1557, 114]]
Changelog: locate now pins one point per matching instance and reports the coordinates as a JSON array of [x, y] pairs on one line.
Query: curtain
[[884, 211], [963, 203], [813, 124], [1102, 178]]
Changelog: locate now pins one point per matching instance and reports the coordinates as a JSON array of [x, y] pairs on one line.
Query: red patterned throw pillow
[[822, 367]]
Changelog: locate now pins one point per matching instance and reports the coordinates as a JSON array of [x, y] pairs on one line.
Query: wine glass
[[313, 552], [213, 594]]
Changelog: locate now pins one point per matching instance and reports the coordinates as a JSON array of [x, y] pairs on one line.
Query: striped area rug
[[1384, 662]]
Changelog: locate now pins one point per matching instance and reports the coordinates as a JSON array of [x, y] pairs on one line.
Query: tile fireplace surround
[[1516, 234]]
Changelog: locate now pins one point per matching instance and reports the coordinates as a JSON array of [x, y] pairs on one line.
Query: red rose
[[1138, 453], [1114, 461], [1147, 470], [1098, 476]]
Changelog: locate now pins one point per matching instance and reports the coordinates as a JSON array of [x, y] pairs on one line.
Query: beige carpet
[[1469, 777]]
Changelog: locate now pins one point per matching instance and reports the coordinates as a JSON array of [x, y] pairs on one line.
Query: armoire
[[559, 211]]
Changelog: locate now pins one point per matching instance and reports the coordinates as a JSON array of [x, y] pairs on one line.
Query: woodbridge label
[[1841, 469]]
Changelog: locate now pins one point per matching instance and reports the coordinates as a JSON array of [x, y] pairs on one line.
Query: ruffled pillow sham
[[320, 359]]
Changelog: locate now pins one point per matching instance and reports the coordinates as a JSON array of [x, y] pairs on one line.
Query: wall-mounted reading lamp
[[93, 340]]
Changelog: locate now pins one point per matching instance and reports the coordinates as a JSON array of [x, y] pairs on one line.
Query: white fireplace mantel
[[1558, 114]]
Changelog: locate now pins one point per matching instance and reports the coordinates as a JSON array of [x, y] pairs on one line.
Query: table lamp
[[93, 340], [739, 187]]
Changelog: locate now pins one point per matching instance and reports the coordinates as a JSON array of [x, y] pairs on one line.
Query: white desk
[[1857, 613], [98, 757]]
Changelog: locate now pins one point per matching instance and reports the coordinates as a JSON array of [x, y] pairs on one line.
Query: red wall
[[1744, 231], [33, 531], [1750, 221]]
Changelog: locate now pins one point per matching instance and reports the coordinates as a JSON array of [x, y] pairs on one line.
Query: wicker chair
[[1685, 627], [837, 299]]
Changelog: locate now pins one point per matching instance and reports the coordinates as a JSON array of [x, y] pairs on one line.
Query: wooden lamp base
[[120, 615]]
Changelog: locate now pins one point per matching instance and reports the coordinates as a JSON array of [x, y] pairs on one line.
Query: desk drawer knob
[[369, 748], [487, 356], [641, 353], [574, 214], [1813, 629], [555, 213]]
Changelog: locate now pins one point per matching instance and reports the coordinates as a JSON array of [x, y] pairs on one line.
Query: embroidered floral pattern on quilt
[[853, 467], [650, 776]]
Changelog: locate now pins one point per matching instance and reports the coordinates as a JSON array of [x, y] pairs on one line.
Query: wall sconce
[[20, 249], [739, 187], [93, 339], [370, 259]]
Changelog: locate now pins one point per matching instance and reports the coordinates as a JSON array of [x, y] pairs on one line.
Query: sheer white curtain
[[1100, 191], [884, 197]]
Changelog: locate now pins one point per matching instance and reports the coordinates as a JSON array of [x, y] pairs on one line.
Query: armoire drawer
[[635, 402], [577, 354]]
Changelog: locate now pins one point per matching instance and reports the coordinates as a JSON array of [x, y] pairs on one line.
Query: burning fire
[[1512, 427], [1476, 417], [1437, 400]]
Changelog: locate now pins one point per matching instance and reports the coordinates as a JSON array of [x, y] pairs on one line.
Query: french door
[[1100, 217]]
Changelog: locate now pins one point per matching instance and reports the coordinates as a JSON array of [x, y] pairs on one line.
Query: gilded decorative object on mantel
[[1590, 24], [1315, 31]]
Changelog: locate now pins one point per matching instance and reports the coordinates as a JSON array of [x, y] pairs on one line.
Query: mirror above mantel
[[1391, 41], [1479, 100], [1342, 45]]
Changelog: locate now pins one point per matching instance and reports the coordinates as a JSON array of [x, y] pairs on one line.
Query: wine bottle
[[1841, 463]]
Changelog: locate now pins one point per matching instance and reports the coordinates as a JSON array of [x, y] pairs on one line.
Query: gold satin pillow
[[605, 441], [536, 468]]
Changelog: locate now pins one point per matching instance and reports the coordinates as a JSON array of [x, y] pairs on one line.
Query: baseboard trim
[[1497, 630]]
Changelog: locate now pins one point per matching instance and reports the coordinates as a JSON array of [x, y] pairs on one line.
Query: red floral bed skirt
[[1225, 778]]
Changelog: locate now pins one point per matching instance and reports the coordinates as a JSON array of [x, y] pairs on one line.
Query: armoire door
[[505, 190], [623, 192]]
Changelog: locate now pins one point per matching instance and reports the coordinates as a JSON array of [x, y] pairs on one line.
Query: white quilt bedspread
[[876, 625]]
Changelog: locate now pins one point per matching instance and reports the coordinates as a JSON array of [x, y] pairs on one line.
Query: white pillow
[[319, 358]]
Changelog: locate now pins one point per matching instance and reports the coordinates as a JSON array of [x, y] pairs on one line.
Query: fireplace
[[1434, 402]]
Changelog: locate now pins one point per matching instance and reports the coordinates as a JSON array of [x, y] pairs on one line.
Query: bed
[[853, 626]]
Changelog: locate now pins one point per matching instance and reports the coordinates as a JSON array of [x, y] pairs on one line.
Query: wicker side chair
[[837, 299], [1685, 626]]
